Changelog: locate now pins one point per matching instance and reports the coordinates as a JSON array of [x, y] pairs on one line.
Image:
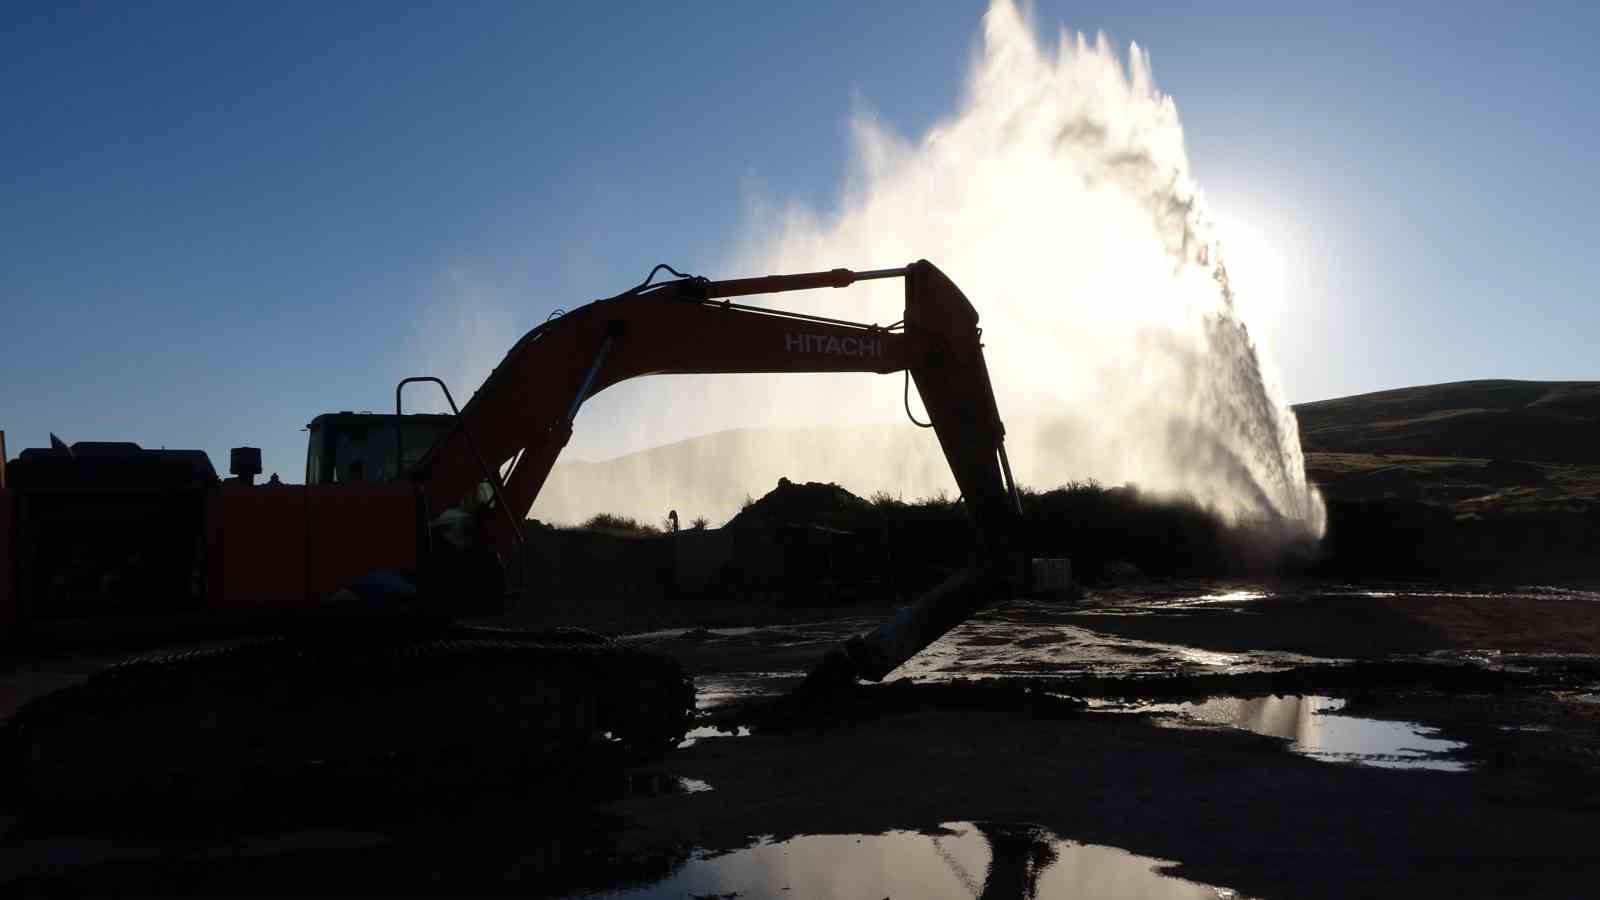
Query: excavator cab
[[350, 447]]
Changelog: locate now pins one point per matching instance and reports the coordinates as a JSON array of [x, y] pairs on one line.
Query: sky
[[219, 220]]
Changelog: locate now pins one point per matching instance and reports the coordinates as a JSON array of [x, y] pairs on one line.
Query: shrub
[[616, 524]]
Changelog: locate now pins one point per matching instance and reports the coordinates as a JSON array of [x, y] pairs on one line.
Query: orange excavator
[[407, 521]]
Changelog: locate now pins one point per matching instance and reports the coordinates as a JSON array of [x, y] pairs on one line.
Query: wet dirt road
[[1272, 740], [1263, 740]]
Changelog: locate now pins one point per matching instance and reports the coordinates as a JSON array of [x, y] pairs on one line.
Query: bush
[[615, 524]]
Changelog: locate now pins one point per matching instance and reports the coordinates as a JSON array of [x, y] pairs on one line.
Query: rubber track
[[476, 704]]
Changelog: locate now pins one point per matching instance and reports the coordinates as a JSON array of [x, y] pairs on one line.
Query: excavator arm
[[518, 422]]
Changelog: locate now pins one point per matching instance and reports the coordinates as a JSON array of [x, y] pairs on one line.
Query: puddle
[[1527, 592], [712, 691], [959, 859], [982, 650], [657, 784], [1224, 598], [1209, 657], [1319, 730], [695, 735]]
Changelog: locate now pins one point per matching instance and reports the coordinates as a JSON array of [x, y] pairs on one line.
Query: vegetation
[[1482, 487], [1464, 480], [609, 523], [1534, 421], [1398, 507], [1106, 532]]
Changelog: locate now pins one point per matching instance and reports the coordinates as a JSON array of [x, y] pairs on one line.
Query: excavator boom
[[522, 417]]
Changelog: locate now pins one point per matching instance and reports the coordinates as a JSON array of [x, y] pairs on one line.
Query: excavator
[[408, 524]]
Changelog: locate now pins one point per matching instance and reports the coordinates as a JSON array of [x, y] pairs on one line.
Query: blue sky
[[219, 220]]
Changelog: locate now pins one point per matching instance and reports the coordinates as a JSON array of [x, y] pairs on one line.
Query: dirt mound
[[813, 504]]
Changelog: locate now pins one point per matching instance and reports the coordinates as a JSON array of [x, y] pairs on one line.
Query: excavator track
[[465, 706]]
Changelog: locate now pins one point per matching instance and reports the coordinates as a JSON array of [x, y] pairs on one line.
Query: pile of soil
[[813, 504]]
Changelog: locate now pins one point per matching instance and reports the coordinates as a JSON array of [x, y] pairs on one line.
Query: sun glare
[[1258, 271]]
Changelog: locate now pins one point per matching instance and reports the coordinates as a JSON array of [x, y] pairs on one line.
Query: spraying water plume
[[1059, 197]]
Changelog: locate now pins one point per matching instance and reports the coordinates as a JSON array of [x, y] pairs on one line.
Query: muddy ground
[[1011, 719]]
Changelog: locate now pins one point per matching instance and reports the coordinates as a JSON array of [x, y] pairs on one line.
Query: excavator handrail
[[491, 476], [804, 317]]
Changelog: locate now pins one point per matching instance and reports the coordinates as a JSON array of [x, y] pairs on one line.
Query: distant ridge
[[712, 475], [1536, 421], [1553, 422]]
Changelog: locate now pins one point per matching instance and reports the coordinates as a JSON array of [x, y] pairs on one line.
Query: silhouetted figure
[[672, 516], [274, 479]]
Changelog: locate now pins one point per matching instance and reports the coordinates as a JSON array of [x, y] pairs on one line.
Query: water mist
[[1058, 196]]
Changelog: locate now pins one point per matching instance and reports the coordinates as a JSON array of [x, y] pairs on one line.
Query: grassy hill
[[1534, 421], [1474, 447], [1472, 480], [1471, 446]]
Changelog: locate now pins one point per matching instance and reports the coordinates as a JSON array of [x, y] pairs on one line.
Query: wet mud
[[1067, 724]]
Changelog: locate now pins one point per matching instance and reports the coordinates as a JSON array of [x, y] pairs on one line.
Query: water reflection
[[1227, 597], [1018, 856], [695, 735], [713, 691], [660, 784], [993, 861], [1532, 592], [1319, 730]]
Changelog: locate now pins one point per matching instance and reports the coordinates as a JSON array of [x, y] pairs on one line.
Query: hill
[[714, 475], [1479, 479], [1532, 421], [1473, 447]]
